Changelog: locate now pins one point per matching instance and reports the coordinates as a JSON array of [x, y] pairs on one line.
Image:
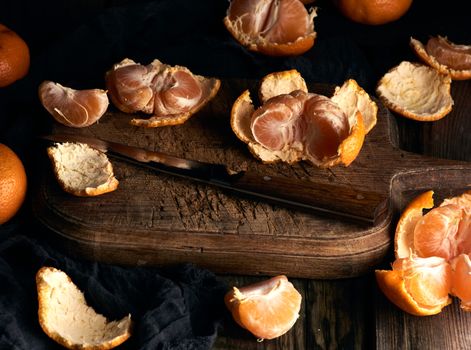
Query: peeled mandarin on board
[[373, 12], [275, 28], [169, 94], [432, 256], [13, 183], [267, 309], [14, 56], [293, 124]]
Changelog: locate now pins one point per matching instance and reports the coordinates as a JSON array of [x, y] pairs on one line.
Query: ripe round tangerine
[[373, 12], [12, 183], [14, 57]]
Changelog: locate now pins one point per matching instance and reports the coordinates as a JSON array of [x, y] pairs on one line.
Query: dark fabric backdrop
[[74, 43]]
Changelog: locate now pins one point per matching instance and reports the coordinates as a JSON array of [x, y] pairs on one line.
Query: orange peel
[[416, 91]]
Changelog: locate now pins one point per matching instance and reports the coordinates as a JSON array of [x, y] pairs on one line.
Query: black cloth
[[178, 307]]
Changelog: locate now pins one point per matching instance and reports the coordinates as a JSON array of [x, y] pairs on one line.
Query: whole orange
[[373, 12], [12, 183], [14, 57]]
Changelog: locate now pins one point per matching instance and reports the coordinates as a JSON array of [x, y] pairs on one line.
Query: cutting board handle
[[329, 199]]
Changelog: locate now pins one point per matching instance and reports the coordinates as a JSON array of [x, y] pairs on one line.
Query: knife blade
[[332, 200]]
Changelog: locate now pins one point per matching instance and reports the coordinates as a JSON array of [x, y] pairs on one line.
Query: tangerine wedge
[[461, 280], [74, 108], [267, 309]]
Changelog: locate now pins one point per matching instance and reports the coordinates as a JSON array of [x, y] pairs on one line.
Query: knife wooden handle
[[333, 200]]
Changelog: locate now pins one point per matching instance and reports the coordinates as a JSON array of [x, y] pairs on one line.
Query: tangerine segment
[[463, 239], [436, 232], [267, 309], [461, 280], [404, 237], [74, 108], [326, 127], [274, 125], [419, 286], [129, 86]]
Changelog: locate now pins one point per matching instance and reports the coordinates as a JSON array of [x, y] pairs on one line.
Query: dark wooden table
[[347, 313]]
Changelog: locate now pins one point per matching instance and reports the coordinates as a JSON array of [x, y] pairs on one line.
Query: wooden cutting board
[[156, 219]]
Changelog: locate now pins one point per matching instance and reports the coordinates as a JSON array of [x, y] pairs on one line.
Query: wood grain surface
[[155, 219]]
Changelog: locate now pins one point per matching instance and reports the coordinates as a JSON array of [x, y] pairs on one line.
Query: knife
[[332, 200]]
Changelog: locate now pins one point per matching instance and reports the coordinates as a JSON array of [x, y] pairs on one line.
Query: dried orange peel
[[350, 100], [274, 28], [432, 256], [416, 91]]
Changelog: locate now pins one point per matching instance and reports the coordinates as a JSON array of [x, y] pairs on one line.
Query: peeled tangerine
[[432, 256], [272, 27], [416, 91], [267, 309], [293, 124], [445, 56], [74, 108], [171, 95]]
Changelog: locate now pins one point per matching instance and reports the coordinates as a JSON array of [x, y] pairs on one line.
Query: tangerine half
[[432, 256], [275, 28], [268, 309]]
